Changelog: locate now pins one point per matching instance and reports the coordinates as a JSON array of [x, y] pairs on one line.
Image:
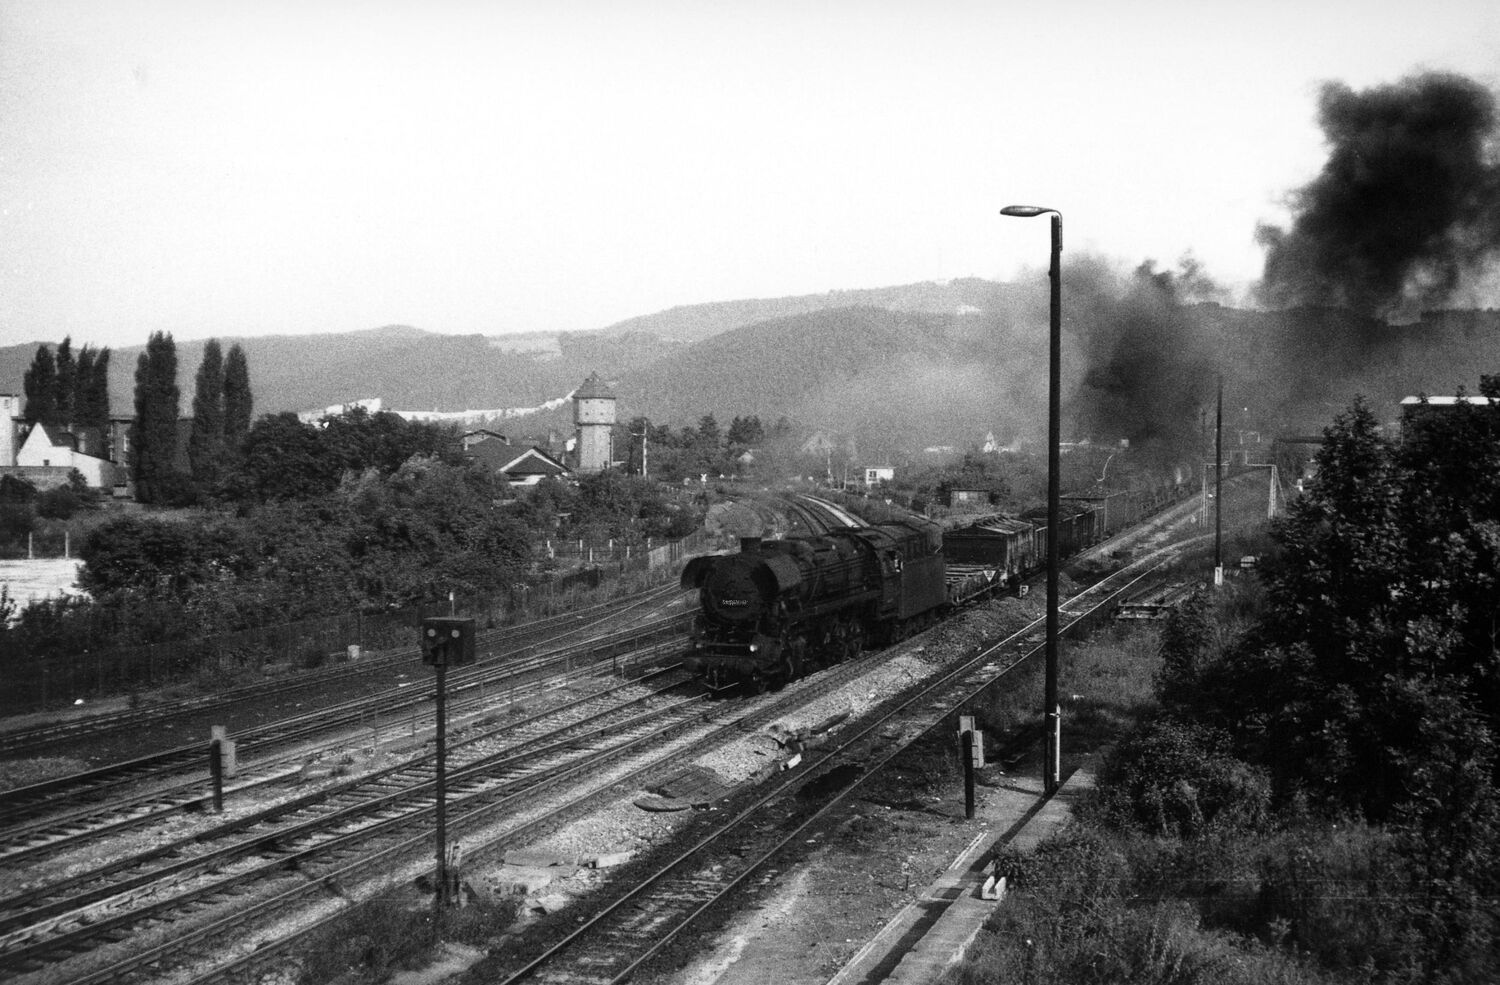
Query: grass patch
[[25, 772], [1314, 904], [393, 931], [1104, 685]]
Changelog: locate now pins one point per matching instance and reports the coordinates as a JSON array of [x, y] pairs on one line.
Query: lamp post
[[1053, 767]]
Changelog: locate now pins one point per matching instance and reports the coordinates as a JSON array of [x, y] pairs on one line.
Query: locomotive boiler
[[781, 608]]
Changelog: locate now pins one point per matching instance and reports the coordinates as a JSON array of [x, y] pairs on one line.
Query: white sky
[[246, 168]]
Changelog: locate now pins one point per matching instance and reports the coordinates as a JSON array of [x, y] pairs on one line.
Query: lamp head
[[1026, 211]]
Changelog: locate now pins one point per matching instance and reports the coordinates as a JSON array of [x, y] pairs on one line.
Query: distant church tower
[[594, 414]]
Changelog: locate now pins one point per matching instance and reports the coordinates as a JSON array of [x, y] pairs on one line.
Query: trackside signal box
[[447, 641]]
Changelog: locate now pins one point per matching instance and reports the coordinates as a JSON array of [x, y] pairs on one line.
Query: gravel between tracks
[[805, 922]]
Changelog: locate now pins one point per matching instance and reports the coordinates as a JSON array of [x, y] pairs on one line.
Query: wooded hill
[[900, 367]]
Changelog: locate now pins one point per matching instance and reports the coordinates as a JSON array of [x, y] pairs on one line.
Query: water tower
[[594, 415]]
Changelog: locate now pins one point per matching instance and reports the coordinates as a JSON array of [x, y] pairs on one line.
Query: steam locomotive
[[781, 608]]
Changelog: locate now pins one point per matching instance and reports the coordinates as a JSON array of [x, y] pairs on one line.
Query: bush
[[1184, 644], [1337, 893], [1078, 862], [60, 503], [1079, 916], [16, 521], [369, 941], [1178, 779], [16, 490]]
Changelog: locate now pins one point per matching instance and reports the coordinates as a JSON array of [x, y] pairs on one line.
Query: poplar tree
[[96, 392], [92, 439], [206, 439], [238, 401], [91, 389], [66, 381], [153, 434], [40, 384]]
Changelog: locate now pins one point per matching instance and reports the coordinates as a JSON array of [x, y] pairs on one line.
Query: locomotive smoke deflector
[[696, 571]]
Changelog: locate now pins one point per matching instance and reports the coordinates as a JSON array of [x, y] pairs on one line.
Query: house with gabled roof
[[521, 466], [532, 466], [478, 435], [489, 449], [48, 454]]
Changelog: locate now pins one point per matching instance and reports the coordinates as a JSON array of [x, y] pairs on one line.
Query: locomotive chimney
[[749, 545]]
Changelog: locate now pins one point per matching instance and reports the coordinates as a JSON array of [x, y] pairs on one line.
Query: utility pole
[[645, 436], [1219, 487]]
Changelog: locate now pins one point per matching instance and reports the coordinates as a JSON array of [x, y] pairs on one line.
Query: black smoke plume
[[1148, 366], [1406, 207]]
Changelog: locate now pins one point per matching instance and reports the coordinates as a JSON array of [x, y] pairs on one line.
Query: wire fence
[[585, 572]]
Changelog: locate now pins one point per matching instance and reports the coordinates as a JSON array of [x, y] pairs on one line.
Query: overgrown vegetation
[[40, 521], [1312, 796], [393, 931], [364, 513]]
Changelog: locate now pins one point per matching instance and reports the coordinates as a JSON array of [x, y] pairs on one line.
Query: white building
[[10, 413], [56, 452]]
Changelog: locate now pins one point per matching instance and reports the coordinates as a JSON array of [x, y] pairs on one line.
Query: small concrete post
[[216, 765], [454, 872], [968, 775]]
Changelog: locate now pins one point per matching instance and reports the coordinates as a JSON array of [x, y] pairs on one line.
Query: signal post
[[447, 641]]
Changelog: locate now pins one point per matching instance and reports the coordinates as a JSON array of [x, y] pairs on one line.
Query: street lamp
[[1053, 768]]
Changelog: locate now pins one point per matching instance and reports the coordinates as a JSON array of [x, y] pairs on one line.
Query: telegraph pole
[[1219, 487]]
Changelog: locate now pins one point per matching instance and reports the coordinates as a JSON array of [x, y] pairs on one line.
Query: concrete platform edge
[[951, 906]]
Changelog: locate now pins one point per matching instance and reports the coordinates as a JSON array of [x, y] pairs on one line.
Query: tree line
[[357, 511], [222, 408], [68, 390], [1332, 739], [71, 392]]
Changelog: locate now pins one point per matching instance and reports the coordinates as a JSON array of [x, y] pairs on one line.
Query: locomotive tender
[[781, 608]]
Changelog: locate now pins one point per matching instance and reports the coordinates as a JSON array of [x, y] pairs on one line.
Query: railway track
[[495, 644], [53, 833], [362, 860], [25, 806], [222, 867], [590, 783], [642, 919]]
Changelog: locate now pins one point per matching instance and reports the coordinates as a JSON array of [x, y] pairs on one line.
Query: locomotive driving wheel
[[854, 641], [790, 666]]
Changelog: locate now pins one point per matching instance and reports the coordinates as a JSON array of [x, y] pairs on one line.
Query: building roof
[[593, 388], [56, 437], [494, 452], [533, 461]]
